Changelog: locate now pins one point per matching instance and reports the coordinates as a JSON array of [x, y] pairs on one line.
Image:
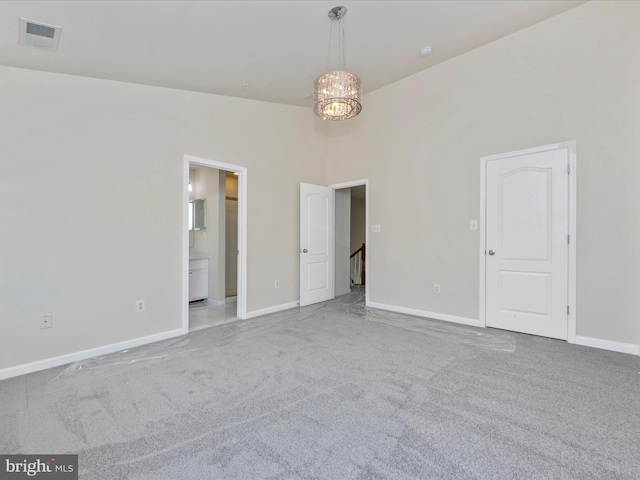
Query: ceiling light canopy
[[336, 95]]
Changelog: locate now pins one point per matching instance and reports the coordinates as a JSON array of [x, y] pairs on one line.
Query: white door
[[316, 244], [527, 224]]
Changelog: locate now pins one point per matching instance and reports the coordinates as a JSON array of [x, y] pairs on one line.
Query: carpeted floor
[[336, 391]]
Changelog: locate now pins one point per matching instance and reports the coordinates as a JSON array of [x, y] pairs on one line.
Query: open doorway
[[215, 244], [351, 238], [324, 227]]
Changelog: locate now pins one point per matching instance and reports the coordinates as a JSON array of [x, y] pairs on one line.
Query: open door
[[316, 244]]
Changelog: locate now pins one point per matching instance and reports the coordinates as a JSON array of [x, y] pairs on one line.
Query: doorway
[[350, 242], [527, 256], [214, 252], [358, 235], [325, 245]]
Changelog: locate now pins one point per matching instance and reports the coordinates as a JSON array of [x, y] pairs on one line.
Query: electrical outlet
[[277, 284], [375, 229], [140, 306], [436, 288], [46, 320]]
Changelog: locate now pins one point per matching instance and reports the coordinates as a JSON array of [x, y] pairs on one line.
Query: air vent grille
[[39, 35], [40, 30]]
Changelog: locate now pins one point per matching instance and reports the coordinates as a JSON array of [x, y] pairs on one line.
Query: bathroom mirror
[[196, 214]]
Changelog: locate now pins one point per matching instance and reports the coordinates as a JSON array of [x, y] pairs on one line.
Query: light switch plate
[[473, 224]]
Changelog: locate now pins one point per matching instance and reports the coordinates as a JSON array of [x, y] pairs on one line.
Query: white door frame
[[571, 267], [358, 183], [242, 233]]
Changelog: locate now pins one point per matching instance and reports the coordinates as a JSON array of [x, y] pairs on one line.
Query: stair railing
[[357, 260]]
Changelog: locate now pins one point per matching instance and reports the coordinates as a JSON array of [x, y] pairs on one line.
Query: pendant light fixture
[[336, 95]]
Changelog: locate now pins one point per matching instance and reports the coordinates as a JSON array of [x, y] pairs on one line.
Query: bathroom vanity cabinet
[[198, 279]]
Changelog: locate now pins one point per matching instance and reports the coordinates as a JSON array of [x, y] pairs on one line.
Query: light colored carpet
[[336, 391]]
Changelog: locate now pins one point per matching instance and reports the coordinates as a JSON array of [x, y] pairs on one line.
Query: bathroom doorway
[[214, 282]]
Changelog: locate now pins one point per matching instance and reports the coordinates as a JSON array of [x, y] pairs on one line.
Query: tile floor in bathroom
[[203, 315]]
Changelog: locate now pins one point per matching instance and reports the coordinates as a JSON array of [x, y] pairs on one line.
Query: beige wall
[[231, 185], [231, 236], [91, 183], [210, 241], [91, 204], [358, 220], [343, 233], [419, 141]]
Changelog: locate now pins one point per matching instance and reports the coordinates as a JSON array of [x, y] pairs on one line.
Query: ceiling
[[262, 50]]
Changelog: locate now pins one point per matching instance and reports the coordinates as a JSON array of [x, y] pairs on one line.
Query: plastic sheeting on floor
[[346, 306]]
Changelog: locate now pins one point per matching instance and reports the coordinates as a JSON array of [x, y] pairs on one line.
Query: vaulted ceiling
[[263, 50]]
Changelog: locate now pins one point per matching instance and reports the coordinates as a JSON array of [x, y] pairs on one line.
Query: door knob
[[304, 250], [491, 252]]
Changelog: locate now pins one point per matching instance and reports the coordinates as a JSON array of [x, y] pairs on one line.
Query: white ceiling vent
[[39, 35]]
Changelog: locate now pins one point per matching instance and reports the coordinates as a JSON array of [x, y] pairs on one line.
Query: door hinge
[[568, 239], [569, 168], [567, 309]]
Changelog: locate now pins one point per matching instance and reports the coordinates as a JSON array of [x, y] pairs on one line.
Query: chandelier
[[336, 95]]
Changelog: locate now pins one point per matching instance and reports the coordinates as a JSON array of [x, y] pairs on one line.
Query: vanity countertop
[[198, 256]]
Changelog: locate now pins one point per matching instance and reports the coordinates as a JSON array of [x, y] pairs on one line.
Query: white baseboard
[[342, 292], [217, 303], [86, 354], [585, 341], [608, 345], [274, 309], [423, 313], [233, 299]]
